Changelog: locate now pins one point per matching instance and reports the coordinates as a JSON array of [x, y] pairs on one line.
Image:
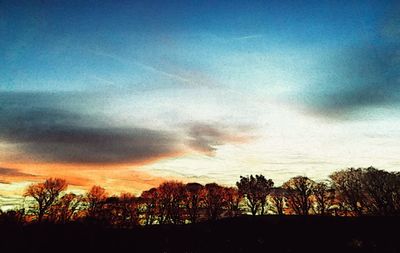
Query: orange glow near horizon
[[115, 178]]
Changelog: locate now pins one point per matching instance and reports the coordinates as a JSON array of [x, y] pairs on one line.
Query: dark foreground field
[[242, 234]]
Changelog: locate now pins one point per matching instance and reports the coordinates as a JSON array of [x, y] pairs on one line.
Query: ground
[[241, 234]]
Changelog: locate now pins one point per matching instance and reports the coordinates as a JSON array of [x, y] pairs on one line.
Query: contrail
[[142, 65], [254, 36]]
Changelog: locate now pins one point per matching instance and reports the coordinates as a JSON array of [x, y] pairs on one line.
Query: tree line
[[349, 192]]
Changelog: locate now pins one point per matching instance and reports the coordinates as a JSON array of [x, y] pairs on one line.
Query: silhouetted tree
[[349, 188], [277, 198], [95, 200], [233, 199], [128, 210], [65, 208], [13, 217], [349, 192], [170, 196], [119, 211], [324, 198], [396, 196], [214, 200], [381, 189], [255, 189], [149, 202], [299, 191], [45, 194], [109, 213], [193, 199]]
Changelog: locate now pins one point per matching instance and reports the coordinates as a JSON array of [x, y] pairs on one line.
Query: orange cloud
[[115, 178], [206, 138]]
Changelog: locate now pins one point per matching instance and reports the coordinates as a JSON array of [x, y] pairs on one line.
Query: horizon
[[127, 95]]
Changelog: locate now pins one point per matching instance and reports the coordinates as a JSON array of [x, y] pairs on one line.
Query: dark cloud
[[391, 24], [6, 173], [206, 137], [361, 76], [43, 130], [13, 173]]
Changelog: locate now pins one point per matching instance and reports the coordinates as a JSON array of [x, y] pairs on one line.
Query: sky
[[128, 94]]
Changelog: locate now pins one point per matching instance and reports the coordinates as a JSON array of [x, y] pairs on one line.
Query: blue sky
[[66, 41], [196, 90]]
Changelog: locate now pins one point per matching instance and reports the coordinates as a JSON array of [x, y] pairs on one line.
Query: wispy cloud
[[142, 65], [249, 37], [103, 80], [206, 138]]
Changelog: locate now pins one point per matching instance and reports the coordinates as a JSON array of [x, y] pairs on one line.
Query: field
[[241, 234]]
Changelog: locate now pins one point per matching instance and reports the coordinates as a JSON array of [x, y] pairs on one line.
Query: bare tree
[[299, 190], [149, 202], [381, 189], [193, 199], [214, 200], [396, 194], [119, 211], [349, 192], [233, 199], [277, 198], [109, 214], [128, 210], [170, 195], [324, 198], [349, 188], [45, 194], [66, 207], [95, 200], [255, 189]]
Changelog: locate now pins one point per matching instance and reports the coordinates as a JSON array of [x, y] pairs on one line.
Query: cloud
[[13, 173], [206, 138], [142, 65], [360, 76], [391, 23], [249, 37], [7, 175], [41, 129], [357, 78], [10, 202]]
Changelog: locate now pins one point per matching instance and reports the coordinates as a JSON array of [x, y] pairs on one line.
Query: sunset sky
[[127, 94]]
